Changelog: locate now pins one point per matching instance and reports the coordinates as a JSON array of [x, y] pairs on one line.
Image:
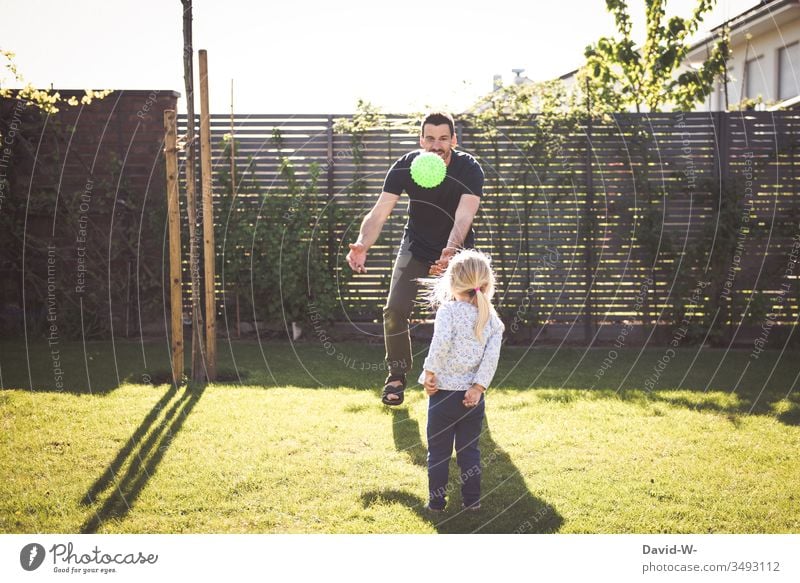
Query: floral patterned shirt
[[456, 356]]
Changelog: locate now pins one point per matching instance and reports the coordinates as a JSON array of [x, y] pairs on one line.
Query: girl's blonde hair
[[469, 272]]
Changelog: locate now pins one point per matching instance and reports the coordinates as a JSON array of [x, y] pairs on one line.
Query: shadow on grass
[[142, 456], [708, 375], [786, 409], [507, 505], [406, 432], [791, 414], [98, 367], [761, 387]]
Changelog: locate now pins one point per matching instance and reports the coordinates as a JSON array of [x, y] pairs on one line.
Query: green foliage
[[91, 255], [47, 101], [547, 110], [273, 246], [234, 233], [618, 74], [724, 304], [751, 104], [303, 271], [367, 118]]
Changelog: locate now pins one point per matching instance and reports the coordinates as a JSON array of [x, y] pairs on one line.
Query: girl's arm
[[491, 355]]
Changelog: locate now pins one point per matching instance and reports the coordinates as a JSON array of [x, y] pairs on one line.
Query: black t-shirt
[[431, 211]]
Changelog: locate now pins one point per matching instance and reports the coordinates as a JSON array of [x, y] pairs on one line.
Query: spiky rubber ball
[[428, 170]]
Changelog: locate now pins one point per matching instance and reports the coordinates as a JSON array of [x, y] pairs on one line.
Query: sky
[[313, 56]]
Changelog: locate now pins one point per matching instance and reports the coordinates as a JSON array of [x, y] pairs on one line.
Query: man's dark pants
[[397, 311]]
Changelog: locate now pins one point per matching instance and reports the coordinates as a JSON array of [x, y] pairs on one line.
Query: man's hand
[[473, 395], [430, 383], [441, 264], [357, 257]]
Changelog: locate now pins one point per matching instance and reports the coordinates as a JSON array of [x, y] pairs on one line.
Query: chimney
[[497, 82]]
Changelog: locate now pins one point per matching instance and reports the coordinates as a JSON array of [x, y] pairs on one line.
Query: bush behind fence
[[614, 222]]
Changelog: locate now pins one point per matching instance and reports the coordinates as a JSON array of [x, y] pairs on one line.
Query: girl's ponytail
[[484, 309], [470, 272]]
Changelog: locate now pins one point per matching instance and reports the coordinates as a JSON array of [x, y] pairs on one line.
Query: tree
[[198, 349], [45, 100], [619, 75]]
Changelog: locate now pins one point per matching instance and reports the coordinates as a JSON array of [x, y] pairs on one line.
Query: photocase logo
[[31, 556]]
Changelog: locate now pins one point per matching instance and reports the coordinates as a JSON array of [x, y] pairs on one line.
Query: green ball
[[428, 170]]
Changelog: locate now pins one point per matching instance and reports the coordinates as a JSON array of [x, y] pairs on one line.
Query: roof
[[760, 16], [763, 8]]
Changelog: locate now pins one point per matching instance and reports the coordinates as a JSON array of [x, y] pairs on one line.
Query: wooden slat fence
[[622, 221]]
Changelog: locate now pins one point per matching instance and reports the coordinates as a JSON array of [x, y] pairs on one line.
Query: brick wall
[[85, 187]]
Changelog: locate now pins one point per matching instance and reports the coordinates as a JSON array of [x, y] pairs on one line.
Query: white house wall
[[765, 45]]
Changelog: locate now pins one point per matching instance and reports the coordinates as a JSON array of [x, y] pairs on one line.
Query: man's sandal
[[394, 390]]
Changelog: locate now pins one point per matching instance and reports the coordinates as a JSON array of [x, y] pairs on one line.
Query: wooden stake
[[173, 213], [209, 254], [233, 150], [233, 198]]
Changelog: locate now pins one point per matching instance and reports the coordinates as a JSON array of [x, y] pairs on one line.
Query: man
[[439, 223]]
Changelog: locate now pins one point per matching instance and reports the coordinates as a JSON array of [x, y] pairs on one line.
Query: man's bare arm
[[373, 223], [371, 227], [465, 214]]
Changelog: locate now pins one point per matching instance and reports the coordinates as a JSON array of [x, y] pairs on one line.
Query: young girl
[[460, 365]]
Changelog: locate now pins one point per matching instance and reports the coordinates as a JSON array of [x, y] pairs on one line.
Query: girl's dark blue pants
[[451, 423]]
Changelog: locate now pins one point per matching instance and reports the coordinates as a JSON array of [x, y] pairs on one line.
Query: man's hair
[[438, 118]]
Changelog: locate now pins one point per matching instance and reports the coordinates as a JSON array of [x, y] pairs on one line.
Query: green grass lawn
[[303, 445]]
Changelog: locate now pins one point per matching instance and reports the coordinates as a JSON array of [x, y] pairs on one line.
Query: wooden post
[[331, 195], [173, 213], [233, 198], [208, 221], [589, 230], [233, 150]]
